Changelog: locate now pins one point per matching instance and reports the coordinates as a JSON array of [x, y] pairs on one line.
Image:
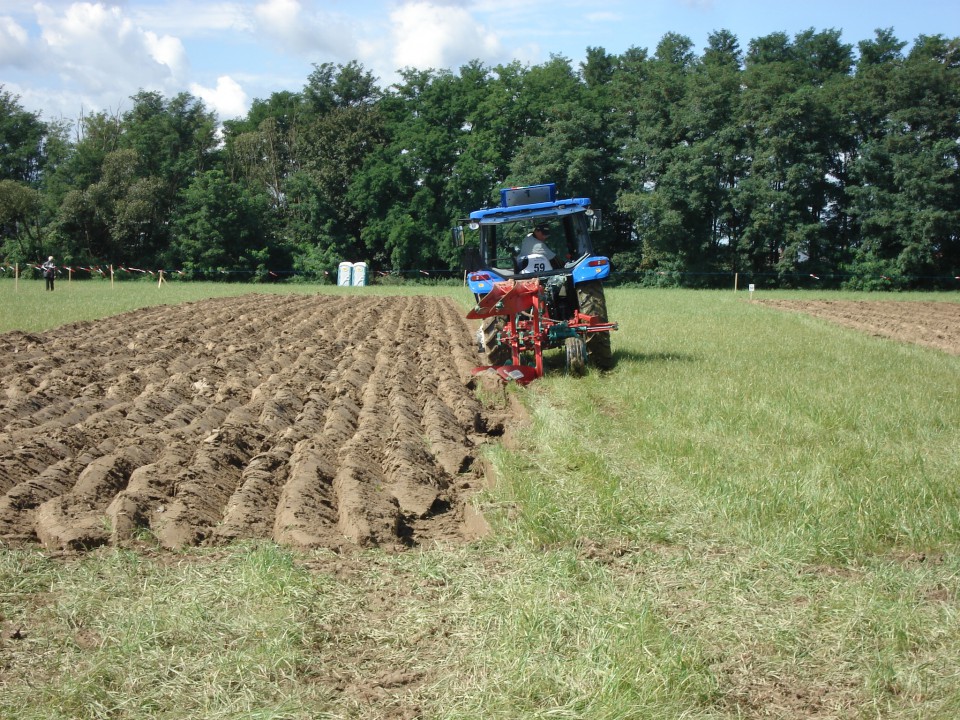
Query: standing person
[[49, 269]]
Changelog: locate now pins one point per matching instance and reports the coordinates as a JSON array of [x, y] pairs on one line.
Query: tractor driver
[[535, 255]]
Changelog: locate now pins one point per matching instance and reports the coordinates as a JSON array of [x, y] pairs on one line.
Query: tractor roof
[[553, 208]]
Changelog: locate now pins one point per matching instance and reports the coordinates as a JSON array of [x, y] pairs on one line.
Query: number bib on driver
[[535, 263]]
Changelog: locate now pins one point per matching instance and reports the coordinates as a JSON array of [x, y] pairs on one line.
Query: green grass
[[754, 515], [799, 481], [744, 422]]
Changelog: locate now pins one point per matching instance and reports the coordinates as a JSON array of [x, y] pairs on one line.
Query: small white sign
[[751, 287]]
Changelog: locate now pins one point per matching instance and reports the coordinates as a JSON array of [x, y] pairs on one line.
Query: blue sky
[[64, 59]]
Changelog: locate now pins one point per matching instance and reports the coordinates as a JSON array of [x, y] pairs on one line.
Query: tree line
[[795, 157]]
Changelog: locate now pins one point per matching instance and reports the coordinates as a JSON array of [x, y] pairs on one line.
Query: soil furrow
[[415, 478], [367, 513]]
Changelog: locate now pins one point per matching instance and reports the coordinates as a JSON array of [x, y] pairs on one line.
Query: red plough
[[528, 328]]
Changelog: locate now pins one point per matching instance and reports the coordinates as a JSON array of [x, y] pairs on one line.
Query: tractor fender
[[594, 267], [482, 281]]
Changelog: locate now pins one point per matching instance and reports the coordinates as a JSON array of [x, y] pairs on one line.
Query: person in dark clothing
[[49, 269]]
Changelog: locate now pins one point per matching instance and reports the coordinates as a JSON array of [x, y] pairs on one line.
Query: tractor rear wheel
[[592, 302], [576, 355], [497, 353]]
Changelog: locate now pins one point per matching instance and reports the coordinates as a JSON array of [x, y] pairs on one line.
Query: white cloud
[[228, 99], [167, 51], [188, 18], [280, 16], [14, 43], [80, 22], [98, 48], [302, 32], [430, 34], [603, 17]]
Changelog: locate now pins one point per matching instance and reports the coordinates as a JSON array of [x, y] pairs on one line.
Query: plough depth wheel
[[576, 350]]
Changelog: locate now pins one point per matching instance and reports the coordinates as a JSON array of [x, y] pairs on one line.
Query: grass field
[[755, 515]]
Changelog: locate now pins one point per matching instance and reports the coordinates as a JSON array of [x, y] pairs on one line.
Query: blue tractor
[[536, 280]]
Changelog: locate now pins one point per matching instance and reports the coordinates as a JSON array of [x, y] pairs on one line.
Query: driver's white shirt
[[532, 246]]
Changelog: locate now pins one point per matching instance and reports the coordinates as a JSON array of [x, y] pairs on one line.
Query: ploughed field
[[933, 324], [312, 420]]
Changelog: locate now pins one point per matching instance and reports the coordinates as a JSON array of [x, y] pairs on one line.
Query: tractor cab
[[505, 232]]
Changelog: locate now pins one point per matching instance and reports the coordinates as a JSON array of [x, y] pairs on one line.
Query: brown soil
[[311, 420], [933, 324]]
